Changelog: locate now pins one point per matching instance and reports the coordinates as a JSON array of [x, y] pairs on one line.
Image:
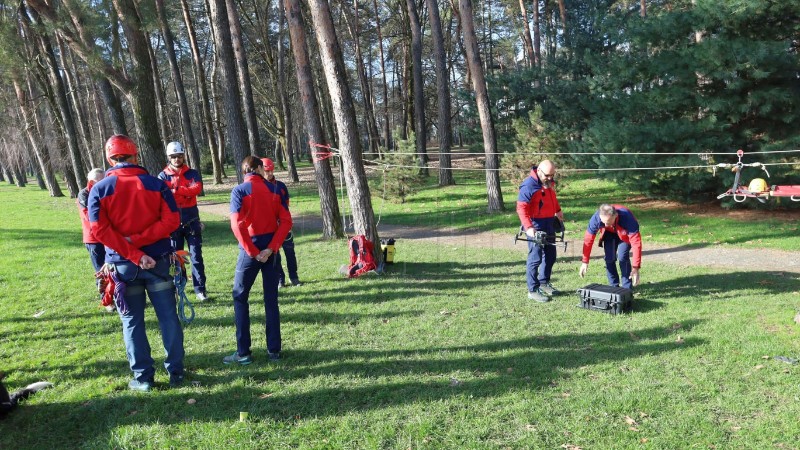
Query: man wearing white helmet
[[186, 184]]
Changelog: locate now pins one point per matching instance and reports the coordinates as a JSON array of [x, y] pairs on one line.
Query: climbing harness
[[113, 288]]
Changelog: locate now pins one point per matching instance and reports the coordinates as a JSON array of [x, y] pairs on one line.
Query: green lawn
[[443, 351]]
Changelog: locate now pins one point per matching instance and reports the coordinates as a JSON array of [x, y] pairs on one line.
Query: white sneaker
[[110, 308], [201, 296]]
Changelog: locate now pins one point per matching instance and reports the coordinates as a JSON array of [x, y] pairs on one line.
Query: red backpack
[[361, 259]]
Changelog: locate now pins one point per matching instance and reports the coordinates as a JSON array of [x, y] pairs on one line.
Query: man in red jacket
[[133, 213], [260, 220], [97, 252], [620, 237], [537, 207], [186, 184]]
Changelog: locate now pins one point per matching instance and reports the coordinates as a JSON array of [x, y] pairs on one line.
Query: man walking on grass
[[133, 213]]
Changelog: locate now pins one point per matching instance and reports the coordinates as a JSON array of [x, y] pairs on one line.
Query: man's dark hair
[[250, 164]]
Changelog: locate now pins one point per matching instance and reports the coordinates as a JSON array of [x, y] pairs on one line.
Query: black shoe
[[296, 282], [274, 356], [175, 380]]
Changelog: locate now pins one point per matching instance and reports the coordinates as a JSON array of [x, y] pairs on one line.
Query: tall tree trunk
[[36, 142], [164, 118], [63, 112], [78, 112], [537, 36], [142, 95], [419, 88], [243, 70], [443, 95], [200, 78], [329, 204], [387, 138], [180, 92], [526, 34], [115, 112], [643, 8], [369, 113], [234, 123], [494, 194], [286, 107], [345, 116]]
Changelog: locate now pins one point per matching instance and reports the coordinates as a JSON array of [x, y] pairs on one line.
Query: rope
[[177, 270], [592, 153]]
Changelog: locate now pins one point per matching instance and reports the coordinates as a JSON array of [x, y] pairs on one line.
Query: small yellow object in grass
[[243, 416]]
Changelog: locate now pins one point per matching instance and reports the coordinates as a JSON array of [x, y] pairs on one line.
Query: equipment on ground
[[387, 246], [607, 299], [758, 189]]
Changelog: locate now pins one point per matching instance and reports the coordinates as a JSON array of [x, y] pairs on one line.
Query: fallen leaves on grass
[[191, 401], [571, 447], [679, 340], [630, 420], [455, 382]]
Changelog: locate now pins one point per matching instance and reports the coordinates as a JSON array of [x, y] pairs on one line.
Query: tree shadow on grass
[[380, 379], [721, 286]]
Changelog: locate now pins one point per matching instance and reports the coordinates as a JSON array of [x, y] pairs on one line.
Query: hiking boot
[[548, 289], [296, 282], [201, 297], [175, 380], [141, 386], [235, 358], [538, 296], [274, 356]]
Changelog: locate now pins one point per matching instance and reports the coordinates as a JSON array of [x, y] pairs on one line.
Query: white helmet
[[174, 148]]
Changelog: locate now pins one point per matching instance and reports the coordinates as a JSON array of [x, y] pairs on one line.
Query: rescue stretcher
[[764, 193]]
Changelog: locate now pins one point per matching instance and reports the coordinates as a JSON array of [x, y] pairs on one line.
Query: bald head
[[547, 167], [546, 171]]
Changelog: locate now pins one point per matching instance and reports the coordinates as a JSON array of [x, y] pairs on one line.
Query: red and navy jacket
[[83, 211], [537, 205], [626, 227], [283, 191], [186, 184], [260, 217], [130, 203]]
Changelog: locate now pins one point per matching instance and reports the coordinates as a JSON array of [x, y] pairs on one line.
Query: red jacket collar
[[169, 170]]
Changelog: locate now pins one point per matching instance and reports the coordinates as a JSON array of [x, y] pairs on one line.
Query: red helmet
[[120, 145], [268, 164]]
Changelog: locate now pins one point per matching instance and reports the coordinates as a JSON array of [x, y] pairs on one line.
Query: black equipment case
[[608, 299]]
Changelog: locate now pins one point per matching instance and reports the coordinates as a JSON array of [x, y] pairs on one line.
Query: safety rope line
[[178, 271], [765, 152], [377, 165]]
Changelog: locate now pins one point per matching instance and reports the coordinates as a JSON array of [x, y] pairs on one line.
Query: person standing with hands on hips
[[133, 213], [260, 220], [186, 184], [537, 208], [288, 243], [620, 235]]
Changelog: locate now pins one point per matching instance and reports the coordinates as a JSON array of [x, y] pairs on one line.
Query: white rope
[[766, 152]]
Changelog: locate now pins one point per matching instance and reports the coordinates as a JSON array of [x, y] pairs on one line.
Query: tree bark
[[180, 92], [40, 151], [387, 138], [329, 204], [526, 34], [443, 95], [243, 70], [494, 194], [200, 78], [537, 36], [164, 117], [369, 113], [234, 122], [345, 116], [419, 88], [79, 113], [286, 108], [64, 114]]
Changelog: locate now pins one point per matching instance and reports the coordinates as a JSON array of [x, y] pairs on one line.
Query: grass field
[[443, 351]]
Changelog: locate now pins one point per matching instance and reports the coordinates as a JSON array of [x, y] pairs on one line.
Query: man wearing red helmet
[[186, 184], [288, 244], [260, 220], [133, 213]]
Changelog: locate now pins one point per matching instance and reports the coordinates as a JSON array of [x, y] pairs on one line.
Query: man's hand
[[147, 262], [531, 233], [264, 255], [584, 268], [560, 215], [634, 277]]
